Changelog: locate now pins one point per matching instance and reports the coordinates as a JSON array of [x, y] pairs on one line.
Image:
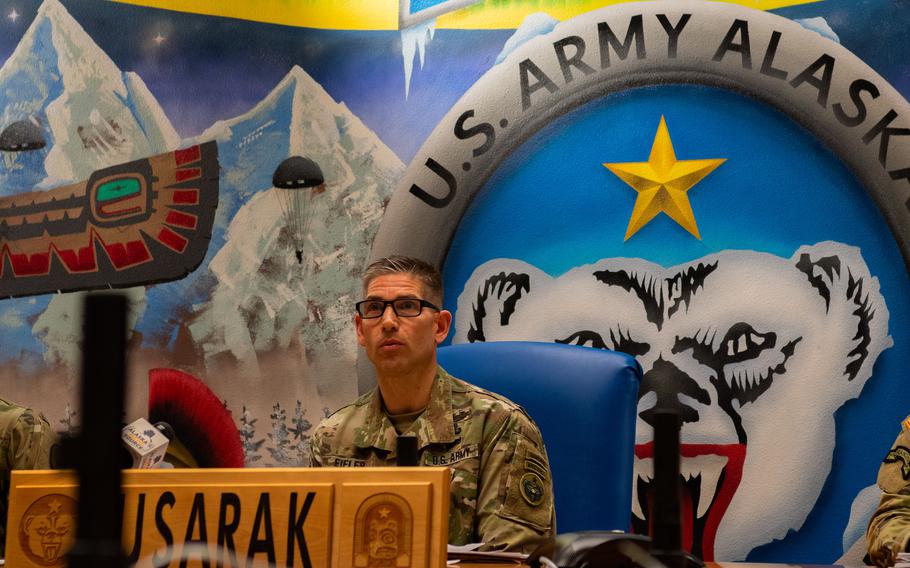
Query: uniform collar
[[435, 426]]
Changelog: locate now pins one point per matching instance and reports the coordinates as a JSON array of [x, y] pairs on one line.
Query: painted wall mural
[[136, 223], [719, 189], [740, 373]]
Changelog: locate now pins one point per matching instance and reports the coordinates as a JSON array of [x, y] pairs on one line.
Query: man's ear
[[491, 296], [853, 301], [443, 324]]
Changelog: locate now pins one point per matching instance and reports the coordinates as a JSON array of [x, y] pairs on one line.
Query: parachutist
[[298, 181]]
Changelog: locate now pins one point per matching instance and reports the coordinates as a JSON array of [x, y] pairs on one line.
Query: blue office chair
[[584, 402]]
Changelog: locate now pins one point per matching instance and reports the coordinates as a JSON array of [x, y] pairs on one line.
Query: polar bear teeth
[[702, 470], [746, 379]]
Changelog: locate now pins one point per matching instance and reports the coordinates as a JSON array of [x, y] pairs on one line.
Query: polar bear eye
[[619, 341], [586, 338], [742, 343], [747, 360]]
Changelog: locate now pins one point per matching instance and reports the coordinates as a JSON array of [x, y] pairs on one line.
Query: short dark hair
[[397, 264]]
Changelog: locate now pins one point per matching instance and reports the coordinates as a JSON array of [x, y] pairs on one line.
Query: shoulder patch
[[531, 487], [894, 473], [900, 455]]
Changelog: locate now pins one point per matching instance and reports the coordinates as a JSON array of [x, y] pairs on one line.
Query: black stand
[[612, 549], [666, 541], [100, 521]]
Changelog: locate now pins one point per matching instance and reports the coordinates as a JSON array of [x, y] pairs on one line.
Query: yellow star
[[662, 183]]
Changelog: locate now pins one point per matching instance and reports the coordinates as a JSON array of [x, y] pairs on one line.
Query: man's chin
[[390, 363]]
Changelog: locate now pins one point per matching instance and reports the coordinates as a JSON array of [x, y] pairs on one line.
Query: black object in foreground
[[595, 549], [406, 451], [614, 549], [98, 448], [666, 539]]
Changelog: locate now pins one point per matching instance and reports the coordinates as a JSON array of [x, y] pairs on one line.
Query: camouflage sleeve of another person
[[889, 529], [26, 444], [515, 498], [315, 447], [29, 441]]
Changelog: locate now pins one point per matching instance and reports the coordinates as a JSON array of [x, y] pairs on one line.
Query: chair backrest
[[584, 402]]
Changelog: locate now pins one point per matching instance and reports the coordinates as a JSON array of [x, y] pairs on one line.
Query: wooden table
[[708, 565]]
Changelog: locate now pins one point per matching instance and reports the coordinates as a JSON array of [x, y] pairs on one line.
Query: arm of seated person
[[515, 498], [889, 528], [26, 444], [29, 442]]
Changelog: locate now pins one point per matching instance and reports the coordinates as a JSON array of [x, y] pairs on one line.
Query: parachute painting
[[298, 180], [22, 135]]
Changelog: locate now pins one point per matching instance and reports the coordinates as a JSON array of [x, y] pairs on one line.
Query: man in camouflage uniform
[[25, 444], [501, 492]]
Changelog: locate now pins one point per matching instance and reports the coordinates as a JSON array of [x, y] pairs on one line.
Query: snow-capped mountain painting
[[92, 114], [253, 311], [261, 297], [296, 118]]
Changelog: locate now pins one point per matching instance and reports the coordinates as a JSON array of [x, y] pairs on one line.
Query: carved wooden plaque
[[329, 517]]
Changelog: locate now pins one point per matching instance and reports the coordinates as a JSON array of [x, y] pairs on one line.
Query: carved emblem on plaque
[[383, 529], [47, 529]]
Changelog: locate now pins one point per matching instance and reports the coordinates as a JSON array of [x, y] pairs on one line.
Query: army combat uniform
[[25, 443], [501, 491], [889, 528]]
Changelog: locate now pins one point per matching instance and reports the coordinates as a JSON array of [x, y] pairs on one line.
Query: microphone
[[407, 451], [145, 443]]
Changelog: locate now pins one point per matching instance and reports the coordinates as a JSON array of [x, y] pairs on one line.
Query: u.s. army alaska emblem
[[47, 529]]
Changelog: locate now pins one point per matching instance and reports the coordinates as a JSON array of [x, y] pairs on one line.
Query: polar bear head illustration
[[754, 350]]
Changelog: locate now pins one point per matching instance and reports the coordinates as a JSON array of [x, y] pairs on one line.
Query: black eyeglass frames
[[403, 307]]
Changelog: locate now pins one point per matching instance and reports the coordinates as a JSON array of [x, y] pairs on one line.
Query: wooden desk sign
[[325, 517]]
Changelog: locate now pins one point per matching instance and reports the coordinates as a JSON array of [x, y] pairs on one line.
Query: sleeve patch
[[900, 455], [529, 491], [894, 474]]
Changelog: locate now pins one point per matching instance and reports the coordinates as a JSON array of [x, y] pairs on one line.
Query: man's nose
[[389, 318]]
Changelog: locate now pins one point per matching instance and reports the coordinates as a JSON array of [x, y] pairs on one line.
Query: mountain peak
[[51, 7], [54, 24], [302, 81], [93, 114]]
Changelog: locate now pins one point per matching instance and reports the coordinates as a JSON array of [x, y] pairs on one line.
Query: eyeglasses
[[403, 307]]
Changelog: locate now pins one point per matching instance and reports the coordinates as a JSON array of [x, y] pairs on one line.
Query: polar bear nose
[[668, 381]]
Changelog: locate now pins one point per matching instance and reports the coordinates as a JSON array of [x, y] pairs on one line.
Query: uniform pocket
[[463, 500]]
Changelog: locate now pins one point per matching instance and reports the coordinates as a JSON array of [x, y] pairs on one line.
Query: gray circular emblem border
[[818, 83]]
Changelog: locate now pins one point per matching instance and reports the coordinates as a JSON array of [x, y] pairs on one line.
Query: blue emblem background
[[552, 203]]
